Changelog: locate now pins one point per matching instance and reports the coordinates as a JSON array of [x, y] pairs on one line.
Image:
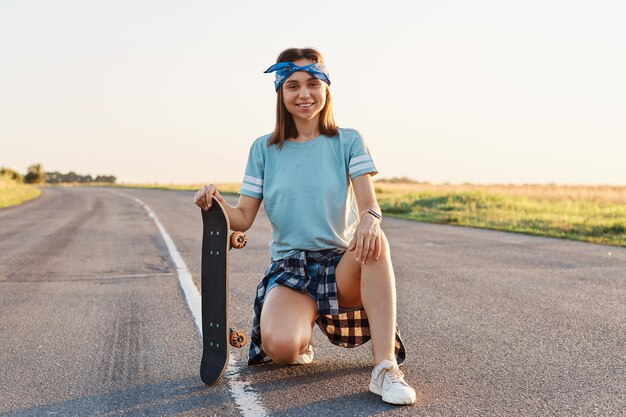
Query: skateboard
[[216, 335]]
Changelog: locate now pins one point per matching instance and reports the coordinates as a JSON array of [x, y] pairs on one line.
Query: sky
[[447, 91]]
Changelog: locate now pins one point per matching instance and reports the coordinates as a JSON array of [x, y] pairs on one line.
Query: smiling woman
[[330, 262]]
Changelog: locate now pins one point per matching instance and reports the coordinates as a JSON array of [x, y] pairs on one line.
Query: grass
[[584, 213], [13, 193]]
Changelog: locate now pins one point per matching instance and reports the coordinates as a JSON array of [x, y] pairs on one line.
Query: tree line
[[37, 175]]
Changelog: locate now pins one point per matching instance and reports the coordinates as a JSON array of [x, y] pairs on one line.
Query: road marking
[[86, 278], [154, 275], [240, 390]]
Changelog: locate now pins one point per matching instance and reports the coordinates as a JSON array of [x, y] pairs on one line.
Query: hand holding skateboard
[[203, 197]]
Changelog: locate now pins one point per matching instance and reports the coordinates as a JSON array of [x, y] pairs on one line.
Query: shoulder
[[259, 145], [349, 134], [351, 140], [262, 141], [350, 137]]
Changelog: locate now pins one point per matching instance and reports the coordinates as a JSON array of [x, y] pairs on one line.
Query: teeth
[[305, 105]]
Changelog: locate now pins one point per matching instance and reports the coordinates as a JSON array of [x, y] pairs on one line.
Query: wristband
[[373, 213]]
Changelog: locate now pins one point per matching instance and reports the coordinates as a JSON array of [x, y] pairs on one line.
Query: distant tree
[[54, 177], [106, 178], [14, 175], [35, 174], [58, 177], [70, 177]]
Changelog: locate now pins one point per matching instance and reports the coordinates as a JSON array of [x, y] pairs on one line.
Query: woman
[[330, 258]]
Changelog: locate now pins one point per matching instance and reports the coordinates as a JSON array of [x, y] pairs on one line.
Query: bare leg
[[374, 287], [286, 323]]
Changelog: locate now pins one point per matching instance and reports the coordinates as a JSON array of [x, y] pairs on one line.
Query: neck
[[307, 129]]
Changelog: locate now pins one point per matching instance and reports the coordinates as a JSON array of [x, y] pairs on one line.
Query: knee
[[282, 349]]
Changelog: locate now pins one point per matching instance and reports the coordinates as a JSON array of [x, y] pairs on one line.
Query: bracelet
[[373, 213]]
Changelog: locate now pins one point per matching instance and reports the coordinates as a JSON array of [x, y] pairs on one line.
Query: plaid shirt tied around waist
[[345, 328]]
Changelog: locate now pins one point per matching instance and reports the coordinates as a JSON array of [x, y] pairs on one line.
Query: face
[[303, 94]]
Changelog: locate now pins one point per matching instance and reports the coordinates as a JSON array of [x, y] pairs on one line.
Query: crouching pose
[[330, 259]]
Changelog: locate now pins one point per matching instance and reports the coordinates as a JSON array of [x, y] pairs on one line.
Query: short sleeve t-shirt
[[306, 189]]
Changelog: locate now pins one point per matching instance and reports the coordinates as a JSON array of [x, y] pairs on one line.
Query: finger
[[371, 245], [219, 196], [364, 250], [368, 249], [359, 248], [199, 200], [208, 198], [211, 191], [379, 247]]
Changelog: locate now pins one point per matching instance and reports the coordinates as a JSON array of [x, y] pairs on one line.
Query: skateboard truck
[[237, 339]]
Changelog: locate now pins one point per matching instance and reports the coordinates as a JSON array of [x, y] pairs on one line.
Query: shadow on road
[[157, 399], [191, 395]]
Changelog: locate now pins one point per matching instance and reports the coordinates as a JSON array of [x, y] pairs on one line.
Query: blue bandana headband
[[284, 70]]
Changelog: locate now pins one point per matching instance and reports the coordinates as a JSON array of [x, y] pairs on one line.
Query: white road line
[[244, 396], [126, 276]]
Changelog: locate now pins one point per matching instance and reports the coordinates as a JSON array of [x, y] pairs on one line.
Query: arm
[[241, 217], [365, 193], [367, 237]]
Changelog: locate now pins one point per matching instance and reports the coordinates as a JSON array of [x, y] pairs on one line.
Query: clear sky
[[442, 91]]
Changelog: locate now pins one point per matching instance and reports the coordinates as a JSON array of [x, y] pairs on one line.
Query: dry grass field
[[550, 192], [587, 213], [13, 193]]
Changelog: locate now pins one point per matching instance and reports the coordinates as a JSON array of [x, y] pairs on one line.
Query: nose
[[304, 92]]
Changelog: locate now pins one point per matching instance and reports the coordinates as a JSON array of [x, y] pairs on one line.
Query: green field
[[590, 214], [13, 193]]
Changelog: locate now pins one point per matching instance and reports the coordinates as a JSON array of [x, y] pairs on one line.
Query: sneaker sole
[[391, 399], [375, 389]]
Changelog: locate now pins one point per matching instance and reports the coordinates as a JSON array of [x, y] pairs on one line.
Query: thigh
[[348, 276], [287, 312]]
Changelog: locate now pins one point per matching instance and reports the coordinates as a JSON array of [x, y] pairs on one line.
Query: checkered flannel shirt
[[345, 328]]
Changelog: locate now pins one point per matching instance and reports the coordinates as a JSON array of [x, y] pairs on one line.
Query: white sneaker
[[306, 357], [388, 381]]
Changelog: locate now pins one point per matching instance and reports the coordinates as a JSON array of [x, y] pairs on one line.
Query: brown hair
[[285, 126]]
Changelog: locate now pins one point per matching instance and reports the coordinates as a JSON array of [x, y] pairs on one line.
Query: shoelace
[[392, 374]]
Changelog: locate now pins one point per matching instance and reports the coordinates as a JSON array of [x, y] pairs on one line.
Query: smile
[[305, 105]]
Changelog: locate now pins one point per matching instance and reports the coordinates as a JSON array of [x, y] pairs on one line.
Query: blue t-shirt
[[306, 189]]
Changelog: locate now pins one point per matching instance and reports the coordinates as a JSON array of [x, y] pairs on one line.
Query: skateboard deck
[[216, 334]]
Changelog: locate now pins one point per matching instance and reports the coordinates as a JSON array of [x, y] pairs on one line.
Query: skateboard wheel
[[238, 339], [238, 240]]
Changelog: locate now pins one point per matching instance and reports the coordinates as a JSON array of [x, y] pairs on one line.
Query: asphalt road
[[93, 321]]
